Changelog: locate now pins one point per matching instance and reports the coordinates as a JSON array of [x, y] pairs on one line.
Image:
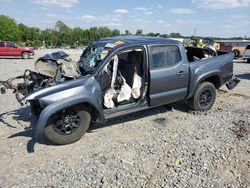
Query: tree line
[[61, 34]]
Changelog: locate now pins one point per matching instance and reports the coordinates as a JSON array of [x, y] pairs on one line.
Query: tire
[[236, 53], [65, 132], [203, 98], [25, 55]]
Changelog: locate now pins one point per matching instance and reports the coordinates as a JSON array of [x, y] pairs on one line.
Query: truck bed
[[195, 54], [220, 64]]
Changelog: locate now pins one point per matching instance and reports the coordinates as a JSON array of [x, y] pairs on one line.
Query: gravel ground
[[162, 147]]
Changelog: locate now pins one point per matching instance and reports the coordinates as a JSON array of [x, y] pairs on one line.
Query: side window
[[165, 56], [1, 44], [11, 45]]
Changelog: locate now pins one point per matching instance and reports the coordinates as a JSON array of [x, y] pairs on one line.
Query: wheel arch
[[236, 52], [25, 52], [213, 77], [215, 80], [50, 110]]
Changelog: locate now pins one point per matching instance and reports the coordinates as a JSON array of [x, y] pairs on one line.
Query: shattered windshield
[[92, 56]]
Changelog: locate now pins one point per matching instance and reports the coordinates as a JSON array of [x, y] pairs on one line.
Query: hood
[[54, 56], [61, 90]]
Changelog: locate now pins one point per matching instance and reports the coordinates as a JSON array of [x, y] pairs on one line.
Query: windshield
[[92, 56]]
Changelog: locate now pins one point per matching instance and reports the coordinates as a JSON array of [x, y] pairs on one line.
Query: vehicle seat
[[129, 68]]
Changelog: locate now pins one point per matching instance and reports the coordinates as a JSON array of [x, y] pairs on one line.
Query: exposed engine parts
[[51, 69]]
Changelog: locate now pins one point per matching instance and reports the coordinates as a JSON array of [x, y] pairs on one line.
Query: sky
[[217, 18]]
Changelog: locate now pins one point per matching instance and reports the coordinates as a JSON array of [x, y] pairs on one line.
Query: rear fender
[[202, 78], [60, 105]]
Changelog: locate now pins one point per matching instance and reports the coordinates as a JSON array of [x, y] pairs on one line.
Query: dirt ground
[[161, 147]]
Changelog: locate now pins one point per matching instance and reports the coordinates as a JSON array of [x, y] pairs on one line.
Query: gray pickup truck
[[122, 75]]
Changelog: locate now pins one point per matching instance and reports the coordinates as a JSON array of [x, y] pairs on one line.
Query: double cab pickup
[[122, 75]]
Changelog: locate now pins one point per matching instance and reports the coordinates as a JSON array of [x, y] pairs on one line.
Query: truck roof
[[138, 40]]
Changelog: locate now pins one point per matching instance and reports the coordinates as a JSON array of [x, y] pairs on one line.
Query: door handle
[[181, 73]]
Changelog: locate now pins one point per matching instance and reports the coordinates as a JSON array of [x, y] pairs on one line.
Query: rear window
[[1, 44], [165, 56]]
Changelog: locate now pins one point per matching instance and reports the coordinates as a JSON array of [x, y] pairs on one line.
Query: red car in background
[[8, 48]]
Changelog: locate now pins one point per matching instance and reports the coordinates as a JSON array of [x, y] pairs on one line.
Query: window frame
[[3, 44], [151, 64], [10, 43], [118, 51]]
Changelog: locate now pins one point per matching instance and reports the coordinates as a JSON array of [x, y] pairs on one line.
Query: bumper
[[32, 53], [232, 83]]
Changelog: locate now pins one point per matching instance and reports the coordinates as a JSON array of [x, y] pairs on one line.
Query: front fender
[[60, 105]]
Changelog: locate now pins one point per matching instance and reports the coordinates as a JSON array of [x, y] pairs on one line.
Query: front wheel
[[67, 126], [25, 55], [203, 98]]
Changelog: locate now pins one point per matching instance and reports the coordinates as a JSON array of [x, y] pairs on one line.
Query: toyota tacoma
[[122, 75]]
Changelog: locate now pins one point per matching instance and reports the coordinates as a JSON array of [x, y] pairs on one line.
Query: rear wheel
[[25, 55], [203, 98], [67, 126], [236, 53]]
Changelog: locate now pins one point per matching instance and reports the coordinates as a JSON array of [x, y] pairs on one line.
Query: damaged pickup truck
[[122, 75]]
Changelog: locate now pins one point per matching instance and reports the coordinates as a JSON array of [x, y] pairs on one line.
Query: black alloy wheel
[[205, 98], [68, 125], [67, 122]]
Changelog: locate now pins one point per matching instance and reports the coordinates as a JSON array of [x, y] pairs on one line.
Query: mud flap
[[232, 83]]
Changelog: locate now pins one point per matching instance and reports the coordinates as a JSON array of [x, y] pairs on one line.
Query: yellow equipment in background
[[204, 43]]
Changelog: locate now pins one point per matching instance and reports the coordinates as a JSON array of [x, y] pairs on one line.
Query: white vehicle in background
[[246, 54]]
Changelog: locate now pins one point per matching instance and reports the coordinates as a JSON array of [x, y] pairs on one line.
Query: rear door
[[169, 74], [12, 49]]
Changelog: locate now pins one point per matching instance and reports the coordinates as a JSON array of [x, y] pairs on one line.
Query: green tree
[[164, 35], [175, 35], [153, 34], [9, 29], [115, 32], [127, 32], [31, 36], [61, 27]]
